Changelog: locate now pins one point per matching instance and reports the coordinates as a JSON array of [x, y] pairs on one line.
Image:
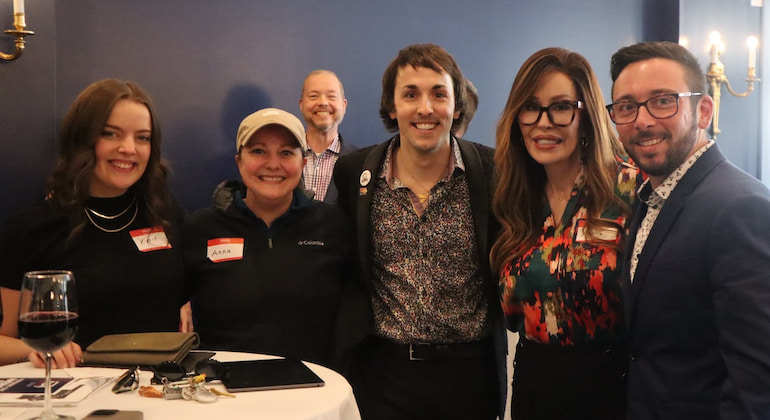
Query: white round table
[[333, 401]]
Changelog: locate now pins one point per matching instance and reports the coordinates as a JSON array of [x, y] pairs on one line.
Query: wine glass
[[48, 320]]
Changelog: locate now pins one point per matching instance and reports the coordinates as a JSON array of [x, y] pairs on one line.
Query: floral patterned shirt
[[428, 286], [566, 289]]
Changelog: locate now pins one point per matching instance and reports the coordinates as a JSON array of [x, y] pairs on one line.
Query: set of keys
[[192, 388]]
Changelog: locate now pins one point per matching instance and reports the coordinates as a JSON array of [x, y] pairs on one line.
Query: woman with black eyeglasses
[[563, 198]]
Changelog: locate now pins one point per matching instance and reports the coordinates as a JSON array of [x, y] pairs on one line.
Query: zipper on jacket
[[270, 243]]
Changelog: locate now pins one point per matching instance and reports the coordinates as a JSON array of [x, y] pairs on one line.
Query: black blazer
[[698, 310], [331, 192], [356, 200]]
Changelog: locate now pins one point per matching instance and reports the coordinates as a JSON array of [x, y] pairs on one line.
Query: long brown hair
[[520, 192], [68, 185]]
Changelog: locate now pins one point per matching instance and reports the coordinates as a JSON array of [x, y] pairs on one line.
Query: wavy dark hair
[[429, 56], [68, 185], [520, 192]]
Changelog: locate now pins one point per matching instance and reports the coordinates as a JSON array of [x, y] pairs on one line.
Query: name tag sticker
[[606, 234], [150, 239], [225, 249]]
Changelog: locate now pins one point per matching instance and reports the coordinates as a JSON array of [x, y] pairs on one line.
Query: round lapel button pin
[[366, 176]]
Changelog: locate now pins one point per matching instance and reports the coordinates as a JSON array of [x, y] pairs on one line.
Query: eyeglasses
[[560, 113], [174, 371], [659, 106]]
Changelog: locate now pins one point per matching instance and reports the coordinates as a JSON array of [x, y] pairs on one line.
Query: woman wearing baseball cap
[[266, 264]]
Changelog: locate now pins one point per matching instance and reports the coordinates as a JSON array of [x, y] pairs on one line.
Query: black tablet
[[257, 375]]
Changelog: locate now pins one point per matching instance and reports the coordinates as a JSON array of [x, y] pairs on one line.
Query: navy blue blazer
[[356, 200], [698, 310]]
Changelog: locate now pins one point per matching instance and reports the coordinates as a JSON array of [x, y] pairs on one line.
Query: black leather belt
[[423, 351]]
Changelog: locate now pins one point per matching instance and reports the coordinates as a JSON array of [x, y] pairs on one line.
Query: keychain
[[197, 390], [172, 390], [193, 388], [150, 392]]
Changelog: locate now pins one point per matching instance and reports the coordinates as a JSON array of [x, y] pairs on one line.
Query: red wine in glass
[[48, 320], [48, 331]]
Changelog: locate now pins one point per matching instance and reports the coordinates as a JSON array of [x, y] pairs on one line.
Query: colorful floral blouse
[[564, 289]]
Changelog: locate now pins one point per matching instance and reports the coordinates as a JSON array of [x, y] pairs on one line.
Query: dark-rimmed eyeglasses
[[661, 106], [560, 113]]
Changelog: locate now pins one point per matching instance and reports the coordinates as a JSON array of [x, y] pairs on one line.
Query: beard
[[324, 127], [323, 124], [675, 156]]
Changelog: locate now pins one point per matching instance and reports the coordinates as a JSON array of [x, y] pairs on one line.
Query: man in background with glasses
[[697, 273]]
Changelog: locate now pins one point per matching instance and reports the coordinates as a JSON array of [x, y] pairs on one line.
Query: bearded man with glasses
[[697, 270]]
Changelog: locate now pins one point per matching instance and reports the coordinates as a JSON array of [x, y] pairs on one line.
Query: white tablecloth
[[333, 401]]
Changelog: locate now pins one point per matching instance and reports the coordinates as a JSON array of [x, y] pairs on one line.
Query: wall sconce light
[[20, 32], [716, 74]]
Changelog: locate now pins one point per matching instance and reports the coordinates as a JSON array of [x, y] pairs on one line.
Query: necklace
[[422, 197], [104, 216], [415, 184], [561, 198], [136, 211]]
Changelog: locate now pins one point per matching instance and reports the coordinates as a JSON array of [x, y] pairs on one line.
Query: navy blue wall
[[739, 118], [208, 64], [28, 118]]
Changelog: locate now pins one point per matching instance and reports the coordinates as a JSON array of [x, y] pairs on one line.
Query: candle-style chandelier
[[19, 32], [716, 74]]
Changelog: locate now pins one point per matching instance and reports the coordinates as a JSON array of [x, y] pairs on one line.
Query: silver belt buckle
[[411, 353]]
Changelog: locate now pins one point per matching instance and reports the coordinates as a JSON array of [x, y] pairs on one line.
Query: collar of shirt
[[298, 200], [455, 162], [334, 147], [655, 198]]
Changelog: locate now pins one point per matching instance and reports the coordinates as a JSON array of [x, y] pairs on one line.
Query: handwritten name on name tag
[[150, 239], [606, 233], [225, 249]]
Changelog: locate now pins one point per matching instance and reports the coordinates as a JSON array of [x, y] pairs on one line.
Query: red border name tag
[[150, 239], [225, 249]]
